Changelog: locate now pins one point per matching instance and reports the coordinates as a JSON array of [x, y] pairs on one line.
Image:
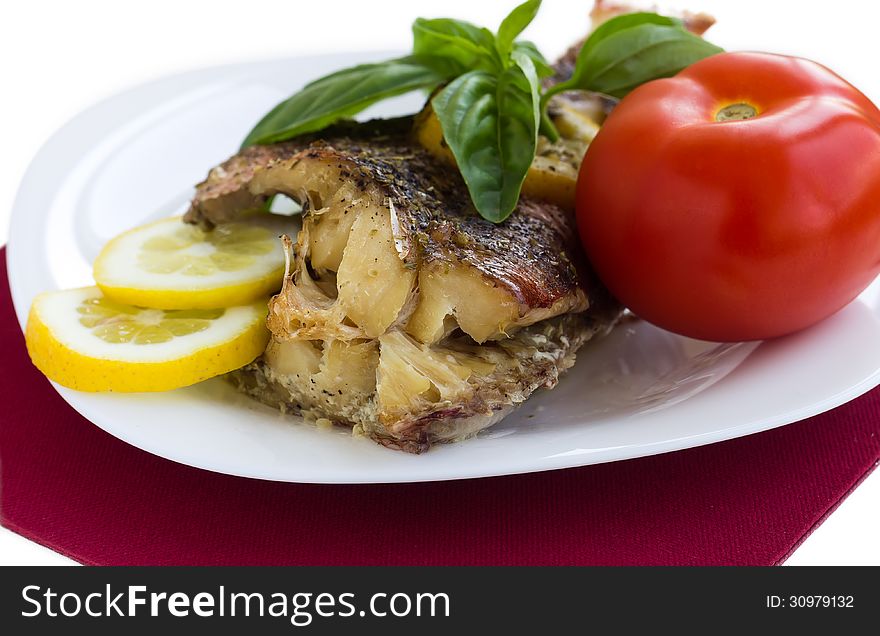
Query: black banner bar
[[434, 600]]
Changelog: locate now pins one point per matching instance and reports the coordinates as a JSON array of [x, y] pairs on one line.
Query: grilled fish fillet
[[403, 314]]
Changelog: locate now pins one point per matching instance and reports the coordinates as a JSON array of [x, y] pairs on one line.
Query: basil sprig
[[488, 95], [632, 49]]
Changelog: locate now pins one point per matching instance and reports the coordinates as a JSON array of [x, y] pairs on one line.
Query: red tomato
[[738, 200]]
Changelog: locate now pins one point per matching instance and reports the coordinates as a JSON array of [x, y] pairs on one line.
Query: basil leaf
[[490, 123], [345, 93], [626, 21], [542, 67], [470, 46], [532, 84], [542, 70], [585, 67], [630, 57], [513, 25]]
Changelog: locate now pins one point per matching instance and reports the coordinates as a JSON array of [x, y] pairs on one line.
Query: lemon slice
[[85, 341], [171, 265]]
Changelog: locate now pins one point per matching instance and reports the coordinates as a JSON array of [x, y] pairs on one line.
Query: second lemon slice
[[171, 265], [84, 341]]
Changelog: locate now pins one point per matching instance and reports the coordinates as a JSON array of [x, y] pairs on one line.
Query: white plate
[[640, 391]]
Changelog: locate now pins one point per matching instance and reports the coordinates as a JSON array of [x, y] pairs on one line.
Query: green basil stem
[[548, 128]]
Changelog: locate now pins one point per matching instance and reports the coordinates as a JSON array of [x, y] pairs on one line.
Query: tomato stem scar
[[736, 112]]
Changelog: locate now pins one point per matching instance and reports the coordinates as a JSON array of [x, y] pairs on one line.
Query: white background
[[58, 57]]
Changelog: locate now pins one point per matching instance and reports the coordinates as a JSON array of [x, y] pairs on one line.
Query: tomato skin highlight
[[743, 229]]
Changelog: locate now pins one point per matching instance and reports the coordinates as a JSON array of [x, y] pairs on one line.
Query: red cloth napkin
[[69, 485]]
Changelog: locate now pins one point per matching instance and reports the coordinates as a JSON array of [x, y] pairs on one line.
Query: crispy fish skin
[[224, 195], [533, 254]]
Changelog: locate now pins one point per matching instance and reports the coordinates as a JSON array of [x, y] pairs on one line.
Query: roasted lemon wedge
[[170, 265], [84, 341]]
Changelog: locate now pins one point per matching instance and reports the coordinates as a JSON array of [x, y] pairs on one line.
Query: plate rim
[[541, 464]]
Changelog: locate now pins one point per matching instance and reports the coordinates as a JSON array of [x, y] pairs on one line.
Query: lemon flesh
[[172, 265], [85, 341]]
